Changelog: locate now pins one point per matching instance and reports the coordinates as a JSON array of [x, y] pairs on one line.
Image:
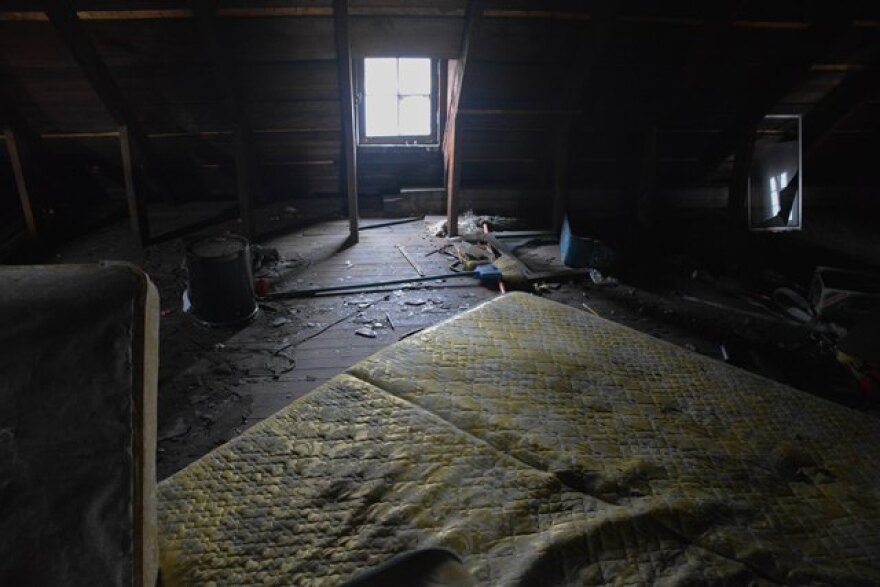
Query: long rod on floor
[[306, 293], [488, 274]]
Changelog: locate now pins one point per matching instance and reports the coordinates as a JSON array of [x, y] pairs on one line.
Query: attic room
[[439, 292]]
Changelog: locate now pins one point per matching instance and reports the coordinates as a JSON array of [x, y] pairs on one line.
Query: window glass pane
[[415, 76], [415, 115], [380, 76], [381, 114]]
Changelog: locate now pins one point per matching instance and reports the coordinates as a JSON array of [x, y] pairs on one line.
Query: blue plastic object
[[488, 273], [581, 251]]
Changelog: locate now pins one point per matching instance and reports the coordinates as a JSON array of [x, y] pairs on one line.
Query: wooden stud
[[246, 177], [595, 40], [647, 179], [347, 110], [68, 25], [739, 184], [560, 172], [24, 195], [451, 146], [137, 209]]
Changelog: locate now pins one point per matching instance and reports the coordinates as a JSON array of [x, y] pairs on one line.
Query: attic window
[[398, 104]]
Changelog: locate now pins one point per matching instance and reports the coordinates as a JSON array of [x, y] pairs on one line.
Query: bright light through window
[[776, 186], [397, 95]]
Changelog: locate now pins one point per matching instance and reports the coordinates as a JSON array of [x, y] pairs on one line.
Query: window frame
[[432, 139]]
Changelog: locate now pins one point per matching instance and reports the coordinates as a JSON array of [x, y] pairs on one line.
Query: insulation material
[[543, 445], [77, 426]]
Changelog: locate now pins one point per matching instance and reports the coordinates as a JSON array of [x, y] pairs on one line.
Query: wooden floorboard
[[376, 257]]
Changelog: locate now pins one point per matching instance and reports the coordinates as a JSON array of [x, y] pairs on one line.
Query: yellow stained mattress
[[545, 446]]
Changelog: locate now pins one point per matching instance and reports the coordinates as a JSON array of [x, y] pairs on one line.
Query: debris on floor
[[215, 382], [470, 225]]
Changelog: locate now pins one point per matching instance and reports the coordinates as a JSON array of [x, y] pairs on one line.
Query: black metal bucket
[[221, 285]]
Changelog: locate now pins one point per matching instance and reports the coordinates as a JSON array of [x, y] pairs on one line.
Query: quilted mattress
[[545, 446]]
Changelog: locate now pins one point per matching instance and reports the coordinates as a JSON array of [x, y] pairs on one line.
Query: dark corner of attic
[[439, 292]]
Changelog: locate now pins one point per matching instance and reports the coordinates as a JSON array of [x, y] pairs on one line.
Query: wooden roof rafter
[[65, 21], [827, 25]]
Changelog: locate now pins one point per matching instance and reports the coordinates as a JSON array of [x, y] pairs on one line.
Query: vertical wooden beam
[[737, 193], [647, 179], [24, 195], [451, 136], [594, 42], [560, 171], [246, 164], [453, 178], [245, 177], [347, 110], [137, 209]]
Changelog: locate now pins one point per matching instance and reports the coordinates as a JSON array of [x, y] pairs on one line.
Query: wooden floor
[[214, 383], [377, 257]]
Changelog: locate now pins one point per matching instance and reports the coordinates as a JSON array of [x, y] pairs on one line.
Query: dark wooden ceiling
[[693, 75]]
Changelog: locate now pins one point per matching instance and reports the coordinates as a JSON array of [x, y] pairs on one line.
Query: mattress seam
[[495, 449]]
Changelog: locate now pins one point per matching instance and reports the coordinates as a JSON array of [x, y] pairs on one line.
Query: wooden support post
[[247, 180], [137, 209], [347, 110], [452, 135], [598, 31], [647, 179], [24, 195], [560, 172], [739, 184], [453, 181], [245, 161]]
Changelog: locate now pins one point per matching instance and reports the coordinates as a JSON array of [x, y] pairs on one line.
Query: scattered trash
[[263, 257], [410, 260], [365, 332], [793, 304], [589, 309], [435, 251], [838, 294], [690, 347], [599, 279], [280, 322], [348, 265], [470, 226], [219, 346], [388, 319], [724, 354], [581, 251]]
